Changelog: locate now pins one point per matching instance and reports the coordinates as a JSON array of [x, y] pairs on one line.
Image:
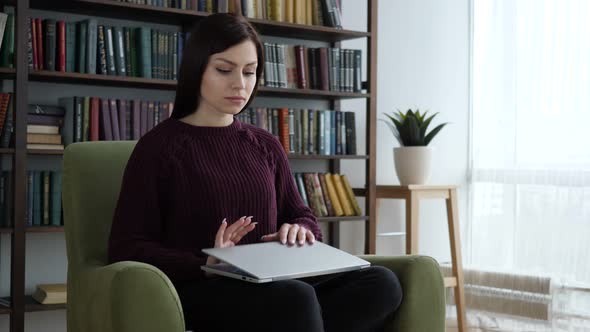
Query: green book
[[128, 56], [7, 49], [46, 178], [92, 39], [133, 46], [81, 41], [55, 198], [49, 35], [119, 51], [144, 49]]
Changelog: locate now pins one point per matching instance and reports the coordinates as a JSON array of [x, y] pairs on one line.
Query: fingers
[[220, 232], [293, 230], [270, 237], [239, 234], [310, 237], [283, 232], [235, 227], [301, 235]]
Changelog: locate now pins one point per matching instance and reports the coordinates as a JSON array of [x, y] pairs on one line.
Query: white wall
[[423, 62]]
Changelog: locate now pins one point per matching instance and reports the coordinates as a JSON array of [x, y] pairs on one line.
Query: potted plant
[[413, 158]]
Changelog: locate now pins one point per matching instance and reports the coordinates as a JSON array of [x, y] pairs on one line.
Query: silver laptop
[[272, 261]]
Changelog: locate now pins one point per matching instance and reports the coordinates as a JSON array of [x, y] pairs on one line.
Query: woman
[[202, 179]]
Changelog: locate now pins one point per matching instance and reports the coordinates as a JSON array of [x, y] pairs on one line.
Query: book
[[342, 195], [51, 294], [351, 196]]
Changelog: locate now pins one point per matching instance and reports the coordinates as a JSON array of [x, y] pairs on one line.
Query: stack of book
[[310, 12], [44, 126], [328, 195], [305, 131], [44, 206]]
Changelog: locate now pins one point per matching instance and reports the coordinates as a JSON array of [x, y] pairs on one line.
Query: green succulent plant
[[410, 128]]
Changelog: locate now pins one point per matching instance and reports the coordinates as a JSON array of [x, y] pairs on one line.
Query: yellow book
[[289, 7], [333, 195], [51, 293], [300, 10], [351, 196], [308, 12], [342, 196]]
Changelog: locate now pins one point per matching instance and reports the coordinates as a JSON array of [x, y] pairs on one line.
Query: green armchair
[[133, 296]]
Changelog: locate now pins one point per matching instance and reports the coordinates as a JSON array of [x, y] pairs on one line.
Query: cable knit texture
[[182, 180]]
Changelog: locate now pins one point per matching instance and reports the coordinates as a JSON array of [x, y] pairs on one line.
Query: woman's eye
[[249, 73], [223, 71]]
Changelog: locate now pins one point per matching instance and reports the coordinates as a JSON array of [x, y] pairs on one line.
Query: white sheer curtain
[[530, 175]]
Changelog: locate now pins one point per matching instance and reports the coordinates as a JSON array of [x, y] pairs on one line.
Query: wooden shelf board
[[308, 93], [348, 218], [105, 80], [32, 305], [45, 229], [313, 156], [129, 11], [7, 73], [45, 152], [158, 84], [8, 230]]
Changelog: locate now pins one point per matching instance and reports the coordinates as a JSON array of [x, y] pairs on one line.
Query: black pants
[[351, 301]]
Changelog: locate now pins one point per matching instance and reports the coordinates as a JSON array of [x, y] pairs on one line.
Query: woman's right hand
[[229, 236]]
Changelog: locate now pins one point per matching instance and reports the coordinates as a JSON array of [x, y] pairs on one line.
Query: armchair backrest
[[92, 175]]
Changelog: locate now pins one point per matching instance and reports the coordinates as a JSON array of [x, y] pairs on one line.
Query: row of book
[[89, 47], [306, 131], [81, 119], [6, 119], [327, 195], [310, 12], [322, 68], [44, 206]]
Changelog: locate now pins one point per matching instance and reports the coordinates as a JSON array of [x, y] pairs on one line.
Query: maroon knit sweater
[[182, 180]]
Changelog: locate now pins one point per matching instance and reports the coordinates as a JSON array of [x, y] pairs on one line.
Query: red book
[[301, 66], [35, 50], [284, 128], [94, 118], [61, 46], [40, 57]]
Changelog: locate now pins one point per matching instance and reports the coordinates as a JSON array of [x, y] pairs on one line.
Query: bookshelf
[[20, 75]]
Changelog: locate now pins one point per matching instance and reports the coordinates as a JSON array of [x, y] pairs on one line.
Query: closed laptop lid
[[273, 259]]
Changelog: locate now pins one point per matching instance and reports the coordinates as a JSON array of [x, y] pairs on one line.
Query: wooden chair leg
[[412, 216], [457, 268]]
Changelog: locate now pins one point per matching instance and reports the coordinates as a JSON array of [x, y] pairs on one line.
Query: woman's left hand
[[289, 233]]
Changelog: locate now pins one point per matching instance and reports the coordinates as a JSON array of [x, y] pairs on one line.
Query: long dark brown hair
[[214, 34]]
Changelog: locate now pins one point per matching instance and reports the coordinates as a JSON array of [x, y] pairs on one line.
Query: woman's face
[[229, 79]]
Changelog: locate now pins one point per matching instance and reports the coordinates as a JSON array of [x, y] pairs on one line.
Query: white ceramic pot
[[413, 164]]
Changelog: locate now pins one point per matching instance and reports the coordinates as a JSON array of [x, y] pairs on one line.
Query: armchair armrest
[[126, 296], [423, 305]]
